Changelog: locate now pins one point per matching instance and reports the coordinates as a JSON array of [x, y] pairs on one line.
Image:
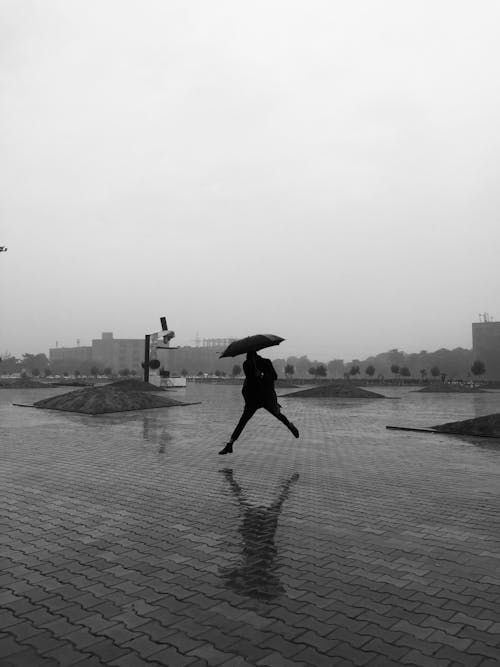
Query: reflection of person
[[258, 392], [257, 575]]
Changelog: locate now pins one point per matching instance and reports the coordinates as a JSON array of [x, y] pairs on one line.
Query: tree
[[76, 373], [435, 372], [218, 373], [478, 368], [405, 371], [321, 370], [9, 363], [289, 370], [107, 371], [35, 372], [31, 361], [47, 372], [124, 372], [133, 373], [94, 371], [395, 369], [354, 370], [184, 373], [236, 370], [312, 371], [370, 371], [423, 374]]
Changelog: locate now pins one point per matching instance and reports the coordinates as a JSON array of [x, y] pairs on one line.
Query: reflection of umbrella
[[251, 344]]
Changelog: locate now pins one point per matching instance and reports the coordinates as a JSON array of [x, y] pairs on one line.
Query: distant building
[[204, 359], [486, 346], [115, 353], [70, 354], [121, 353], [336, 368], [118, 353]]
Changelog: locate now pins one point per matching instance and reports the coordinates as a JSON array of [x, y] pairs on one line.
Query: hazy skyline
[[326, 171]]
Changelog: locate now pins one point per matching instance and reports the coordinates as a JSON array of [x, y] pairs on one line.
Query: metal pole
[[146, 357]]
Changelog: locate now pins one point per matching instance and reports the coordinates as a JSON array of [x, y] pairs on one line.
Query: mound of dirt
[[489, 426], [134, 385], [285, 384], [108, 398], [335, 389], [22, 383], [443, 388]]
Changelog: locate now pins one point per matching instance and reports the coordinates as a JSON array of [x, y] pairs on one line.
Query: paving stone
[[353, 655], [106, 651], [30, 658], [169, 656], [66, 655], [42, 642], [118, 633], [10, 645], [277, 660], [421, 660], [452, 654], [130, 660], [144, 646]]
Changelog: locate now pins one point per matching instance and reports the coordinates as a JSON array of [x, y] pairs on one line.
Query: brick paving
[[127, 541]]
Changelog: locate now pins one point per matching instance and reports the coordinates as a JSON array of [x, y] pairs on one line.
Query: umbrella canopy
[[251, 344]]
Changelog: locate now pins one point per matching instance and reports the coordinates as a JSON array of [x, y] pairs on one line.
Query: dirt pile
[[134, 385], [116, 397], [488, 426], [334, 390], [443, 388], [22, 383]]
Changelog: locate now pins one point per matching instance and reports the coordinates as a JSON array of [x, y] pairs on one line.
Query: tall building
[[70, 354], [118, 353], [486, 346], [107, 351]]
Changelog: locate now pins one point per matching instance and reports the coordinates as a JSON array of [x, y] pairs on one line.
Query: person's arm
[[271, 370]]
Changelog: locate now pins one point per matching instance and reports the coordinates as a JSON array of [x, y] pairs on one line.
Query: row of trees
[[38, 365], [450, 363]]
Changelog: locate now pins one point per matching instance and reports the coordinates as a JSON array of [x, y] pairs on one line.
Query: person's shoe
[[294, 430], [228, 449]]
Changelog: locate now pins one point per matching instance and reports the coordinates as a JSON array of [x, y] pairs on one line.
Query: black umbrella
[[250, 344]]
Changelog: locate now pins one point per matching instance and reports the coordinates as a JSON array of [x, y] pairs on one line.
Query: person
[[258, 392]]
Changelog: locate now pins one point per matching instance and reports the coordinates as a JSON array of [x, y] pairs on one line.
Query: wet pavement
[[126, 539]]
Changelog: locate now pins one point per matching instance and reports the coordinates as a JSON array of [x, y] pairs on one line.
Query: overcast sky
[[326, 171]]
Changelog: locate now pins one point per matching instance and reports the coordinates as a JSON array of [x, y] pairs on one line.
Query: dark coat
[[258, 387]]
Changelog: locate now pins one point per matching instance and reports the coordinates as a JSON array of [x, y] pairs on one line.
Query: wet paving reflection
[[257, 574], [154, 431]]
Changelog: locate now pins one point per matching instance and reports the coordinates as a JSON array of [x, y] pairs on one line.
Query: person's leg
[[248, 412], [275, 410]]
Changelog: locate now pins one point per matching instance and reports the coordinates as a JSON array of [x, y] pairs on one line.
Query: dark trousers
[[251, 408]]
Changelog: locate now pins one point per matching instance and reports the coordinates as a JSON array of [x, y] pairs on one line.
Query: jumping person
[[258, 392]]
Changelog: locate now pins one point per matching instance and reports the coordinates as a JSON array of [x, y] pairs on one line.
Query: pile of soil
[[443, 388], [134, 385], [489, 426], [285, 384], [23, 383], [335, 390], [115, 397], [29, 383]]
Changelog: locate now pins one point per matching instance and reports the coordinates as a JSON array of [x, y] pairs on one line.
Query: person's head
[[251, 355]]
